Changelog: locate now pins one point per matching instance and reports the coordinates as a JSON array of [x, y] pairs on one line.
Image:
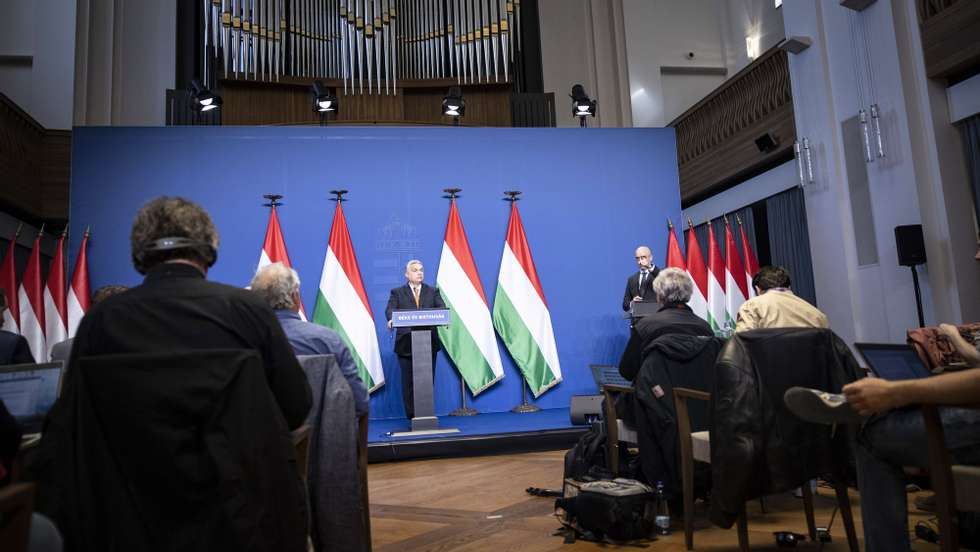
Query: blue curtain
[[971, 143], [718, 226], [789, 243]]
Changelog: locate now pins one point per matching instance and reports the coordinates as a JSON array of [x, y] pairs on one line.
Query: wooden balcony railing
[[716, 137]]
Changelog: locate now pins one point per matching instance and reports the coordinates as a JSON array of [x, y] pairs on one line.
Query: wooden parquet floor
[[480, 504]]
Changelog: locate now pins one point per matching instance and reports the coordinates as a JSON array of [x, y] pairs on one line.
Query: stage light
[[323, 100], [453, 104], [203, 99], [582, 105]]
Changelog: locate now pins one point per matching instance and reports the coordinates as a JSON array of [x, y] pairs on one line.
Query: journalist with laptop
[[892, 436]]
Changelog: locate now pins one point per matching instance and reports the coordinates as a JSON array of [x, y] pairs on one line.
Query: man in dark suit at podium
[[639, 286], [413, 295]]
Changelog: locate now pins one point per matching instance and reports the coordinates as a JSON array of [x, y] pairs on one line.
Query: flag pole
[[463, 410], [525, 407]]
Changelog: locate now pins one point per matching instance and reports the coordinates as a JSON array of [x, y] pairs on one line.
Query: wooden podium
[[421, 322]]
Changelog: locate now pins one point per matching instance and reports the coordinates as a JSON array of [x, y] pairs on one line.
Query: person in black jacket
[[412, 296], [673, 289], [13, 348], [639, 286]]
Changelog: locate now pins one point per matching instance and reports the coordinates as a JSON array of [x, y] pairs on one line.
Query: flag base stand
[[525, 407], [463, 410]]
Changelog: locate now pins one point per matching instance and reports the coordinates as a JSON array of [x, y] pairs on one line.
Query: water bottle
[[662, 519]]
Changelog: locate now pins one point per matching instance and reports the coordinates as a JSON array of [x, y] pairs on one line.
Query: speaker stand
[[918, 296]]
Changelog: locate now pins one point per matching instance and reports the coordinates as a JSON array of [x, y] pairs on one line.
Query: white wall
[[126, 61], [775, 180], [740, 19], [583, 42], [662, 33], [41, 33], [831, 82]]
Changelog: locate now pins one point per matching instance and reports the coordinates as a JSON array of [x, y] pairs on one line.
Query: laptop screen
[[29, 390], [892, 362]]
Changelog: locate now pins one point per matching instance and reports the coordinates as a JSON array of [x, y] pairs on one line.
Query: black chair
[[182, 451]]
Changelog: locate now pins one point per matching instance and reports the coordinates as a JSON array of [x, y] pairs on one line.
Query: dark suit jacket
[[14, 349], [633, 288], [402, 298]]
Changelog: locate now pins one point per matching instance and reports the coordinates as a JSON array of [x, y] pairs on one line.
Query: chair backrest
[[182, 450], [335, 476], [16, 507], [956, 487], [771, 361]]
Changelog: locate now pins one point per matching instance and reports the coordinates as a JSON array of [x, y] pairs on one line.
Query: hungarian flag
[[751, 263], [342, 304], [520, 312], [699, 274], [716, 285], [469, 339], [8, 281], [675, 258], [735, 286], [31, 298], [79, 293], [274, 249], [55, 300]]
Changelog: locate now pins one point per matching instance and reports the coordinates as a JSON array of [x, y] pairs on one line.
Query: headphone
[[206, 250]]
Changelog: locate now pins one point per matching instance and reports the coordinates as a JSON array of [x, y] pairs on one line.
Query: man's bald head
[[644, 257]]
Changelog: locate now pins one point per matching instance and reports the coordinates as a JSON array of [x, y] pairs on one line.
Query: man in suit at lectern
[[413, 295], [639, 286]]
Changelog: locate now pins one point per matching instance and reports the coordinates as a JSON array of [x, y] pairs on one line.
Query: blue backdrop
[[590, 197]]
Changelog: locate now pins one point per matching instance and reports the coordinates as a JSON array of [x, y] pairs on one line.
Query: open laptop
[[604, 374], [29, 391], [892, 362]]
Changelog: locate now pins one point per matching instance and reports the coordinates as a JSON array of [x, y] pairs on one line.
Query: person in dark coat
[[13, 348], [412, 296], [176, 310], [673, 289], [639, 286]]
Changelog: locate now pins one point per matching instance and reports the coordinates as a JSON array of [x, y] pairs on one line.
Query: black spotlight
[[203, 99], [324, 101], [582, 106], [453, 104]]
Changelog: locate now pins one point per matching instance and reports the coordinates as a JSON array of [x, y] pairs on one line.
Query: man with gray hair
[[278, 285], [673, 288]]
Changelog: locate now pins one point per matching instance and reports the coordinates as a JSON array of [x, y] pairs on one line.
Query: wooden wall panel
[[716, 137], [255, 103], [950, 31], [34, 167]]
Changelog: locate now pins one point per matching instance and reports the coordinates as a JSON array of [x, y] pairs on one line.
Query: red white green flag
[[698, 273], [520, 312], [736, 290], [675, 258], [8, 281], [55, 301], [31, 299], [79, 292], [751, 262], [274, 249], [468, 339], [342, 304], [717, 313]]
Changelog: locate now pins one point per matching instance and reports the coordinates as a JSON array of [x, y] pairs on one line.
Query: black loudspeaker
[[585, 408], [766, 143], [911, 247]]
